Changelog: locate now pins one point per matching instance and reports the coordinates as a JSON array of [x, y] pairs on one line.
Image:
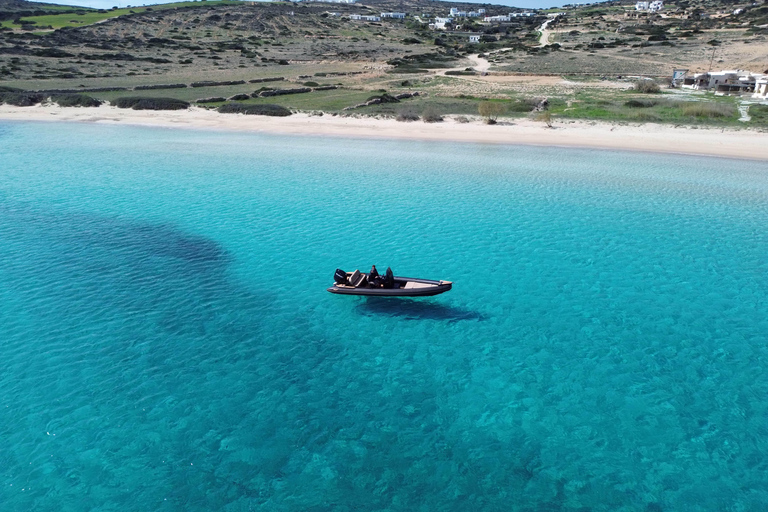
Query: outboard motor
[[340, 277], [389, 279]]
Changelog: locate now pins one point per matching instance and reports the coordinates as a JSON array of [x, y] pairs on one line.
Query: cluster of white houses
[[508, 17], [654, 6], [440, 23], [729, 82], [456, 13]]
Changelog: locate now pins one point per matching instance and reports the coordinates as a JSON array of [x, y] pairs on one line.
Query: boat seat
[[410, 285], [357, 279]]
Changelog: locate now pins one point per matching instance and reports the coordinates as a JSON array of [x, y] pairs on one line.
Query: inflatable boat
[[389, 285]]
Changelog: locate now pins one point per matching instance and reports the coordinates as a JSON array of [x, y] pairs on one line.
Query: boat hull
[[404, 287]]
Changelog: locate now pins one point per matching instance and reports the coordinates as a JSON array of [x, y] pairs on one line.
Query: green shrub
[[20, 99], [407, 115], [524, 105], [162, 86], [282, 92], [311, 84], [647, 87], [383, 98], [491, 110], [759, 113], [707, 110], [137, 103], [51, 52], [4, 88], [640, 103], [431, 115], [215, 99], [254, 110], [212, 84], [75, 100], [239, 97]]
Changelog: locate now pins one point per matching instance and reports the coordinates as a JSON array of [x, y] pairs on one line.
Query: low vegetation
[[254, 110], [407, 115], [431, 115], [647, 87], [491, 110], [75, 100], [138, 103]]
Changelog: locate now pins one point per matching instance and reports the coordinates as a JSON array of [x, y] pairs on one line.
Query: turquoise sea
[[167, 343]]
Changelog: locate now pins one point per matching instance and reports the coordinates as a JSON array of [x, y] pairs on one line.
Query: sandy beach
[[657, 138]]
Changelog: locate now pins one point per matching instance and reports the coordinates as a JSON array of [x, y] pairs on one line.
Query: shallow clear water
[[167, 342]]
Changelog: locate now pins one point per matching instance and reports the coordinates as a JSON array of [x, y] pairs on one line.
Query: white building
[[474, 38], [440, 23], [654, 6], [496, 19], [761, 88], [521, 14], [364, 18], [727, 82], [396, 15]]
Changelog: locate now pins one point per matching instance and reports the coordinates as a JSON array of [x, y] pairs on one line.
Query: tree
[[491, 110]]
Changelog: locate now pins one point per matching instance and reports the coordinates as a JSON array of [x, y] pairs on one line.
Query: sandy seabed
[[734, 143]]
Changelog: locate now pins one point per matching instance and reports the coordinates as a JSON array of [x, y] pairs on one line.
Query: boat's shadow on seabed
[[418, 309]]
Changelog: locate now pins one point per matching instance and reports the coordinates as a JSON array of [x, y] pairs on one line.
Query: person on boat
[[373, 277], [389, 279]]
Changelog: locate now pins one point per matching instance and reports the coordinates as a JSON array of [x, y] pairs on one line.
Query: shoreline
[[655, 138]]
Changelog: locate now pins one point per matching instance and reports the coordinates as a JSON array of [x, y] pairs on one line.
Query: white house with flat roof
[[474, 38], [359, 17], [761, 88], [396, 15], [496, 19], [654, 6], [440, 23]]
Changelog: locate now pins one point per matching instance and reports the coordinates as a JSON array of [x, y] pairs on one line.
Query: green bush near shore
[[759, 114], [75, 100], [137, 103], [254, 110], [700, 109], [21, 99], [215, 99]]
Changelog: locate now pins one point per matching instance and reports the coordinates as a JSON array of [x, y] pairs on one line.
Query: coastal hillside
[[454, 55]]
